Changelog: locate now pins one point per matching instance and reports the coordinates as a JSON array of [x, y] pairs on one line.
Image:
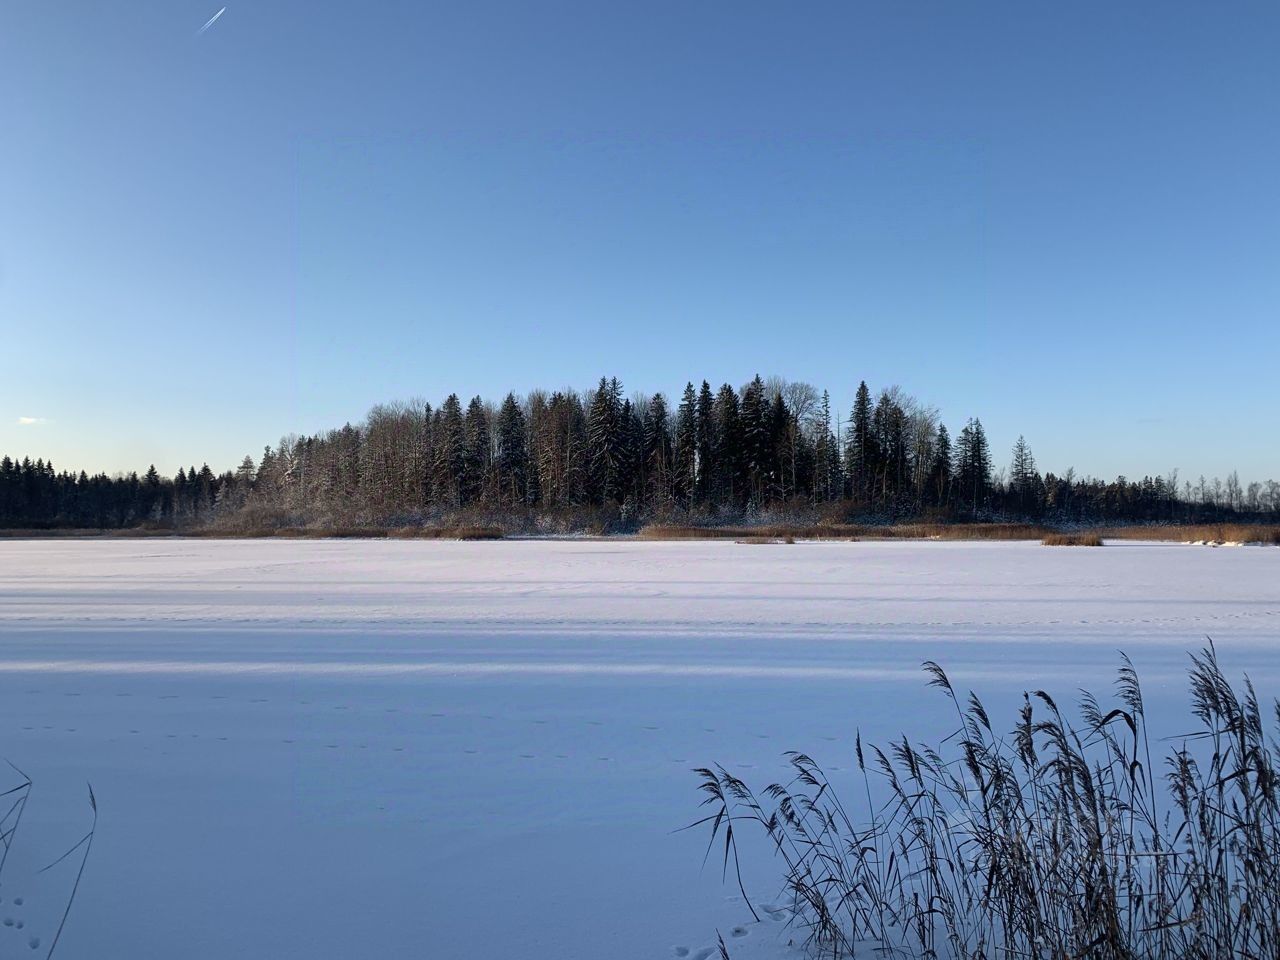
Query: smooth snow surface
[[462, 750]]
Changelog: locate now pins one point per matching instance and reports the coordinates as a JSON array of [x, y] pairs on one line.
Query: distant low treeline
[[568, 460]]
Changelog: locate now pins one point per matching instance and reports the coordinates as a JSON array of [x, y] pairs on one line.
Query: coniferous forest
[[563, 461]]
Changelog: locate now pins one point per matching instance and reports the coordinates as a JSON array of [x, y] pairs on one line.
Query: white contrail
[[212, 21]]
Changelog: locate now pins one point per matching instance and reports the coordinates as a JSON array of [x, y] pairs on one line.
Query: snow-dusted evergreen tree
[[704, 488], [633, 477], [828, 481], [1024, 479], [604, 442], [451, 453]]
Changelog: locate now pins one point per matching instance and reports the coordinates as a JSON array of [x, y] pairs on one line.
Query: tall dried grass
[[1210, 532], [1072, 540], [1057, 840]]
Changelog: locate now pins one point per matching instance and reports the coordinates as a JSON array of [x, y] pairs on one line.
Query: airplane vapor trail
[[212, 20]]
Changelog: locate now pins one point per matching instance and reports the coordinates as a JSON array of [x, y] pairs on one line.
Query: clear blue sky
[[1063, 218]]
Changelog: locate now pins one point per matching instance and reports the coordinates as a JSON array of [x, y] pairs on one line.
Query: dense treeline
[[602, 459]]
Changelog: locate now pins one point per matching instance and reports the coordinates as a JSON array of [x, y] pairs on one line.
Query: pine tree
[[658, 451], [939, 486], [780, 471], [451, 454], [632, 477], [686, 447], [513, 460], [707, 442], [604, 437], [1023, 478], [478, 452], [828, 482], [861, 457], [973, 467], [756, 439], [888, 426], [729, 487]]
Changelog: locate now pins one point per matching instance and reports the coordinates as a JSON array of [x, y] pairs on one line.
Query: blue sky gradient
[[1061, 218]]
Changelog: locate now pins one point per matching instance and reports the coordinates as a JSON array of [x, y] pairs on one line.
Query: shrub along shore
[[767, 532]]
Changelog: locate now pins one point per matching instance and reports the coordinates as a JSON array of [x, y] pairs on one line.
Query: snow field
[[397, 748]]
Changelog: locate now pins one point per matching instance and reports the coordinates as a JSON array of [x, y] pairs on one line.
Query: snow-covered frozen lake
[[454, 750]]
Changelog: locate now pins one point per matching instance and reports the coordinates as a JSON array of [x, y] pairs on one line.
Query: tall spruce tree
[[686, 447], [604, 436], [756, 439], [513, 457], [704, 488], [658, 453], [861, 457], [939, 486], [729, 485], [451, 454], [477, 452]]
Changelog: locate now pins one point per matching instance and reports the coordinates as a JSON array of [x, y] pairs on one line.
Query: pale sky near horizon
[[1061, 218]]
